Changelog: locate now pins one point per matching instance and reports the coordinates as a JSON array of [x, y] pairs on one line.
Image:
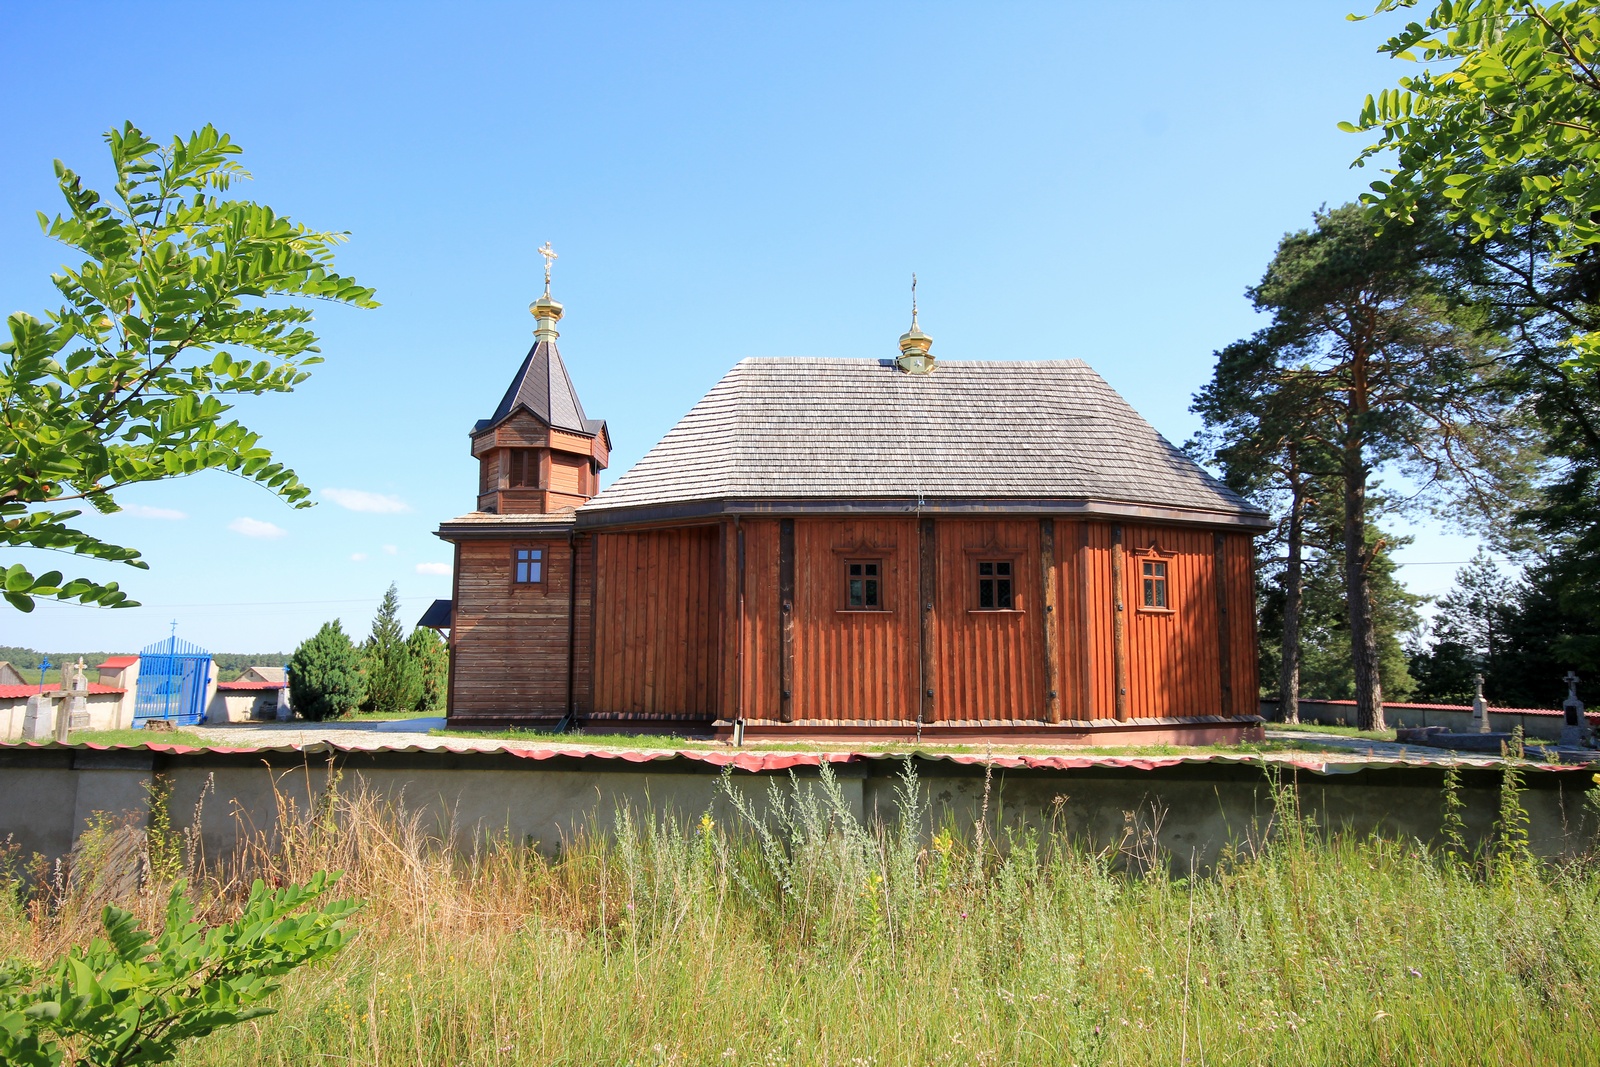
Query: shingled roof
[[811, 434], [542, 387]]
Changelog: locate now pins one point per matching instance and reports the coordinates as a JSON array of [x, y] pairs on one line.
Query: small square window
[[994, 585], [528, 566], [1153, 573], [863, 588]]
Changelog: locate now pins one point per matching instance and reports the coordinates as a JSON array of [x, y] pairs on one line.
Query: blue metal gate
[[173, 676]]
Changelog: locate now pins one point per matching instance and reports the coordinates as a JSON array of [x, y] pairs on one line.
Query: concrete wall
[[107, 711], [1546, 725], [47, 794]]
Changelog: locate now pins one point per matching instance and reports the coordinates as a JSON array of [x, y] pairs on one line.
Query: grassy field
[[823, 941], [141, 737]]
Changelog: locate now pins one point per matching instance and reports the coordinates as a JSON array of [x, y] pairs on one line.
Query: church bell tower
[[539, 453]]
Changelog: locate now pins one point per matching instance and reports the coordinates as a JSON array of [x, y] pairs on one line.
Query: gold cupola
[[915, 357]]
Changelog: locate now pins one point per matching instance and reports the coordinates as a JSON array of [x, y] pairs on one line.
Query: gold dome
[[915, 357]]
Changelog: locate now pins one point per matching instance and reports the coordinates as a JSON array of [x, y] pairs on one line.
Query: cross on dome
[[550, 257]]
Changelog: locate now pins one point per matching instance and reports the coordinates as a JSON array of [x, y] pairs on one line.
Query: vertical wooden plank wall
[[855, 664], [509, 643], [759, 685], [666, 632], [1240, 558], [583, 628], [989, 663], [1174, 657], [658, 622]]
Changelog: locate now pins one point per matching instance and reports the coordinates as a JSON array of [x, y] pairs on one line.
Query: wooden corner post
[[927, 582], [786, 620], [1219, 553], [1119, 623], [1052, 627]]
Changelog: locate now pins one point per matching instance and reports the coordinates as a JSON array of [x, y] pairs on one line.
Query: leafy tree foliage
[[1506, 131], [432, 656], [1367, 365], [1254, 415], [1325, 668], [130, 999], [394, 676], [1548, 633], [1467, 635], [124, 383], [325, 677]]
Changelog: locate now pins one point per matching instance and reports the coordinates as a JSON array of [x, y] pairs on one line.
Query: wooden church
[[862, 548]]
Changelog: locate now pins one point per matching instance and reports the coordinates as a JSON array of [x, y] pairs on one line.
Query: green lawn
[[141, 737]]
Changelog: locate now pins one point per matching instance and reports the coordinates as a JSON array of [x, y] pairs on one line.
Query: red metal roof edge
[[756, 762], [252, 685], [118, 661]]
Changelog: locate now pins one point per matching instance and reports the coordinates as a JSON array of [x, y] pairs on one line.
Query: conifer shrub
[[432, 657], [394, 676], [325, 678]]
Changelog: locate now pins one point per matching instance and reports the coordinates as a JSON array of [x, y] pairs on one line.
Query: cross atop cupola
[[546, 312], [915, 357]]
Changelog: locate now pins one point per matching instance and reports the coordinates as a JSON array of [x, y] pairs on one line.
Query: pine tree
[[432, 655], [394, 677], [325, 679], [1468, 635]]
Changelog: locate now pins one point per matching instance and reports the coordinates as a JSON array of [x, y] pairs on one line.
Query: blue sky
[[1067, 180]]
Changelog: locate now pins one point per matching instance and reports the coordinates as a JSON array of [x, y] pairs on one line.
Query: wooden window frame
[[976, 561], [1153, 554], [543, 561], [529, 458], [881, 578]]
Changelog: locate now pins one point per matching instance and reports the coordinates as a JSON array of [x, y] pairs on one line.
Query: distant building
[[256, 694], [853, 548]]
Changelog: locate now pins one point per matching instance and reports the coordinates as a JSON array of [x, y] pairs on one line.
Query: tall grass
[[800, 935]]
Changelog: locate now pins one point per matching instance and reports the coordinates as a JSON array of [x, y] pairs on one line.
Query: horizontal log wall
[[509, 642]]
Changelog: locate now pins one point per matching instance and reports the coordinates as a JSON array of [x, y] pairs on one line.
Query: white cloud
[[393, 550], [361, 500], [433, 568], [139, 511], [255, 528], [358, 557]]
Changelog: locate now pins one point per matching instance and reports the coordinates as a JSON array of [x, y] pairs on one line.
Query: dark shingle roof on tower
[[1040, 432], [543, 388]]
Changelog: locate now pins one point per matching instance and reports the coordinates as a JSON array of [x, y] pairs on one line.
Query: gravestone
[[76, 708], [1480, 710], [1575, 730], [38, 720]]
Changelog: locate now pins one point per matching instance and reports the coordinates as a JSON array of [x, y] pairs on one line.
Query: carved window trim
[[865, 584], [1152, 592], [865, 551]]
